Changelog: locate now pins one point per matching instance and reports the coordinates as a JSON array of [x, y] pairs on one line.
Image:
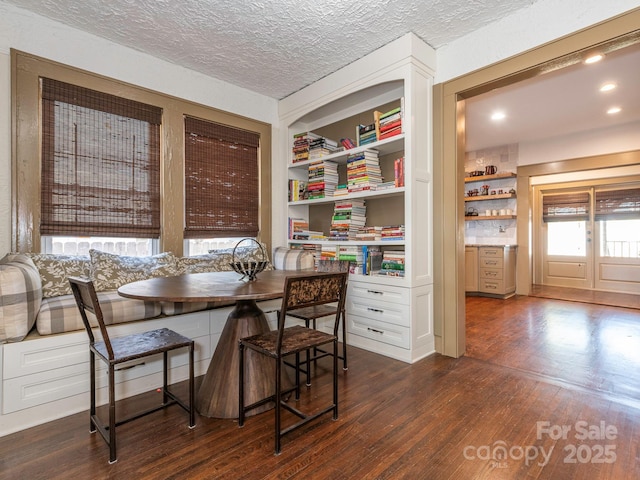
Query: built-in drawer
[[380, 331], [491, 273], [491, 251], [384, 293], [492, 286], [378, 310], [52, 352], [491, 262], [47, 386]]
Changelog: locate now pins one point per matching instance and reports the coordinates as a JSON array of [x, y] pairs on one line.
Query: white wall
[[542, 22], [622, 138], [25, 31]]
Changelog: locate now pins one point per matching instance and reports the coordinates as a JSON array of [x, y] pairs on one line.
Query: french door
[[589, 237]]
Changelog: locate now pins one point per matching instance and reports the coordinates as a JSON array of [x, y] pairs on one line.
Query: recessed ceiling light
[[614, 110], [596, 57], [608, 87], [498, 116]]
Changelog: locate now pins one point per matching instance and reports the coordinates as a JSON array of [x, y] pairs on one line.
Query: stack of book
[[297, 190], [323, 178], [392, 232], [301, 142], [348, 216], [347, 143], [297, 225], [353, 254], [321, 147], [388, 124], [392, 263], [327, 253], [363, 171], [341, 190], [369, 234], [366, 134]]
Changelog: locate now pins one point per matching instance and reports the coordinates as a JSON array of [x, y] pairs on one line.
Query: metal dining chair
[[300, 292], [119, 350], [310, 316]]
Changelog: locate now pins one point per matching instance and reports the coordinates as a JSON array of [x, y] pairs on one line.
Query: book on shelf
[[398, 170], [370, 233], [309, 146], [297, 190], [392, 232], [347, 143], [391, 133], [323, 179], [297, 225], [388, 122], [392, 264], [363, 170], [348, 216]]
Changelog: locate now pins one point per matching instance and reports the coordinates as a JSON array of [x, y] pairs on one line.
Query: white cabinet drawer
[[496, 252], [47, 386], [491, 273], [490, 262], [380, 331], [492, 286], [62, 350], [380, 311], [384, 293]]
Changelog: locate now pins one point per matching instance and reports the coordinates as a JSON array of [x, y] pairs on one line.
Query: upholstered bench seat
[[61, 314]]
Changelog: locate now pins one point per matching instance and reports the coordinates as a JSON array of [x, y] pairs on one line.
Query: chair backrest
[[312, 290], [87, 301], [333, 265]]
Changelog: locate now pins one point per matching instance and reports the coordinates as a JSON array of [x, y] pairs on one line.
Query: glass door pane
[[567, 238]]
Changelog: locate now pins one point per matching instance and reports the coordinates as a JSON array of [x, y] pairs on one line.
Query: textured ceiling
[[273, 47]]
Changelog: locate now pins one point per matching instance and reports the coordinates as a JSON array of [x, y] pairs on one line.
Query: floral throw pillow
[[248, 252], [212, 262], [110, 271], [55, 268]]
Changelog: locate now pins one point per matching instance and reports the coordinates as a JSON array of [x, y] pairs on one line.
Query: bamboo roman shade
[[620, 204], [565, 207], [100, 164], [221, 180]]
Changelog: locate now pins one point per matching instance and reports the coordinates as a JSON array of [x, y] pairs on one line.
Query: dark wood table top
[[209, 287]]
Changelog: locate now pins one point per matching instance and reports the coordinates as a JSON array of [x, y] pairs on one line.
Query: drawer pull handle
[[374, 330], [129, 367], [375, 292], [375, 310]]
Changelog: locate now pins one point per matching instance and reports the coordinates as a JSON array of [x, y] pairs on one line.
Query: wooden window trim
[[26, 148]]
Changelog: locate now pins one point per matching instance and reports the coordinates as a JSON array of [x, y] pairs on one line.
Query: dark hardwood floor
[[533, 368]]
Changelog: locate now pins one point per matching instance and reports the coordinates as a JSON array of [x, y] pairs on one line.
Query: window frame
[[26, 148]]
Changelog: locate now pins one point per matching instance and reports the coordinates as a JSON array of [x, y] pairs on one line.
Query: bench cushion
[[20, 297], [61, 314], [293, 259]]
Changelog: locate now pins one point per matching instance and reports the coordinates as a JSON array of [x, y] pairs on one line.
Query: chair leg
[[165, 397], [112, 415], [344, 341], [335, 379], [278, 406], [241, 387], [192, 408], [297, 375], [92, 381]]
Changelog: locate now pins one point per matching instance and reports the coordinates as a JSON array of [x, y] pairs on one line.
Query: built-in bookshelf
[[376, 116]]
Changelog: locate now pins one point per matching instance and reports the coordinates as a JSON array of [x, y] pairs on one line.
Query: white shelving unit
[[389, 315]]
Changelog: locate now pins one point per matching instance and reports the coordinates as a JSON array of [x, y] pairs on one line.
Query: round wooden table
[[218, 393]]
